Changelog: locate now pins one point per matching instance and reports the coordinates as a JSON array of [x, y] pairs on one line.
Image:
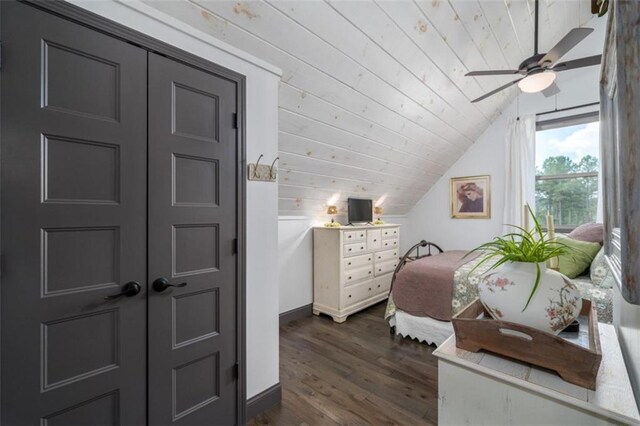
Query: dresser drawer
[[354, 236], [390, 233], [374, 236], [390, 244], [358, 261], [355, 275], [354, 249], [382, 284], [385, 267], [357, 293], [386, 255]]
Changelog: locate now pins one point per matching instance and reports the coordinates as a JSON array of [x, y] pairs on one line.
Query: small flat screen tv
[[360, 210]]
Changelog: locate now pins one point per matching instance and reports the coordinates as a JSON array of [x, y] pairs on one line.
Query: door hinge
[[235, 120], [236, 370], [235, 246]]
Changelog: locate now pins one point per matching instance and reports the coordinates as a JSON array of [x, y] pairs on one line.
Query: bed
[[442, 283]]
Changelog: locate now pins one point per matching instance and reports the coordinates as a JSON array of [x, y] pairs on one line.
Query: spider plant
[[522, 245]]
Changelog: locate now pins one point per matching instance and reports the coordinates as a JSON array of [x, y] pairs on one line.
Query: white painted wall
[[431, 218], [295, 261], [262, 198]]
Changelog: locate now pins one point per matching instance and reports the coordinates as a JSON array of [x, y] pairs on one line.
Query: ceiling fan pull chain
[[579, 15]]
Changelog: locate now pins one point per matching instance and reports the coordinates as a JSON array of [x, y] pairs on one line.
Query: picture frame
[[471, 197]]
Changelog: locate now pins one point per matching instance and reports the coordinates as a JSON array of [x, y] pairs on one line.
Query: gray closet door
[[73, 164], [192, 227]]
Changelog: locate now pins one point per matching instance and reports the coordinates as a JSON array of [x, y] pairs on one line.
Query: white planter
[[505, 291]]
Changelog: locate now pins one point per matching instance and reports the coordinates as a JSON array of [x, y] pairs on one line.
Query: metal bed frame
[[409, 258]]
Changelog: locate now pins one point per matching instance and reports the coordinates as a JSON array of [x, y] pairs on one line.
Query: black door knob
[[161, 284], [129, 289]]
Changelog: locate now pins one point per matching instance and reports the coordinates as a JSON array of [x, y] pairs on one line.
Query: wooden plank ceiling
[[373, 102]]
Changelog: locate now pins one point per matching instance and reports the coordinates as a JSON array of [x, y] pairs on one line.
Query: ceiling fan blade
[[551, 90], [567, 43], [493, 92], [578, 63], [491, 72]]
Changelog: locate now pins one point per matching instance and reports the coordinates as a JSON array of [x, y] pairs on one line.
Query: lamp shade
[[537, 82], [377, 210], [332, 210]]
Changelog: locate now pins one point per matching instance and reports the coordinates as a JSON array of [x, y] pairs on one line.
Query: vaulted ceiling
[[373, 102]]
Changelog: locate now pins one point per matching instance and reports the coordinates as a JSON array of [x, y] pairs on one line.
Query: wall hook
[[255, 169], [262, 172], [271, 175]]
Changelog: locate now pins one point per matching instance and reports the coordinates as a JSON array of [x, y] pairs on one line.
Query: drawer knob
[[349, 236], [361, 248], [369, 272], [374, 240], [369, 288], [378, 285], [379, 270], [349, 249], [349, 263], [349, 296], [349, 277], [369, 259]]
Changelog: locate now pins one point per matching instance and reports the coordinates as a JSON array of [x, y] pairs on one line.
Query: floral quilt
[[597, 287]]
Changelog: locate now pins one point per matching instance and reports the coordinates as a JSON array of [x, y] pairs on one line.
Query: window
[[567, 165]]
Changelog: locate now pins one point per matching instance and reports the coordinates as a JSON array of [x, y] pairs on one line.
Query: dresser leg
[[316, 312], [339, 319]]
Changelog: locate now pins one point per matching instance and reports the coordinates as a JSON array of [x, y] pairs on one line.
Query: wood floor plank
[[353, 373]]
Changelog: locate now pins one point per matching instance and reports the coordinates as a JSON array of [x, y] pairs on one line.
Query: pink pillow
[[591, 232]]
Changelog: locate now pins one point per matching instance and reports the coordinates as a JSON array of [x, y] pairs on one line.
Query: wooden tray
[[577, 363]]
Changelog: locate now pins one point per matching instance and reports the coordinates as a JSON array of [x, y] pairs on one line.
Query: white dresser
[[352, 267]]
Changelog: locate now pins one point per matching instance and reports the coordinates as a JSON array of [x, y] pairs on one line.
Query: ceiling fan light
[[537, 82]]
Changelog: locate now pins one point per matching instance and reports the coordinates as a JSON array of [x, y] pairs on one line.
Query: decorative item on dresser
[[377, 210], [352, 267], [519, 287], [332, 211]]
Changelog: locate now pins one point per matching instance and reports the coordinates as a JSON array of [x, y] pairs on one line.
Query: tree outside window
[[567, 165]]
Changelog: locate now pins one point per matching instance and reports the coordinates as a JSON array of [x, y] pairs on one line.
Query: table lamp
[[377, 210], [332, 211]]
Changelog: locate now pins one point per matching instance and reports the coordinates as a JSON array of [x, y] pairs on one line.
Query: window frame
[[555, 123]]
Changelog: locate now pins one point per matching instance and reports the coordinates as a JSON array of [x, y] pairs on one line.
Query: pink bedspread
[[424, 287]]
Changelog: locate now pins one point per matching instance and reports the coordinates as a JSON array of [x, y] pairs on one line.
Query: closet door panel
[[192, 227], [73, 221]]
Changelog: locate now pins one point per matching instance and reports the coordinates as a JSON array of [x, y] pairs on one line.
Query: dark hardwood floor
[[353, 373]]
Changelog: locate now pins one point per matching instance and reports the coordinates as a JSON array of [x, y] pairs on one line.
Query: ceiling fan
[[539, 70]]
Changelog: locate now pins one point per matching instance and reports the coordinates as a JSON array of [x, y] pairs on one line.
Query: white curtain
[[520, 176]]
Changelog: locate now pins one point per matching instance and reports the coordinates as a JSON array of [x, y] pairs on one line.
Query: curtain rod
[[569, 108], [559, 110]]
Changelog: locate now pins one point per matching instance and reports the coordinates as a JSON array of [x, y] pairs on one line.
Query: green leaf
[[522, 245], [535, 287]]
